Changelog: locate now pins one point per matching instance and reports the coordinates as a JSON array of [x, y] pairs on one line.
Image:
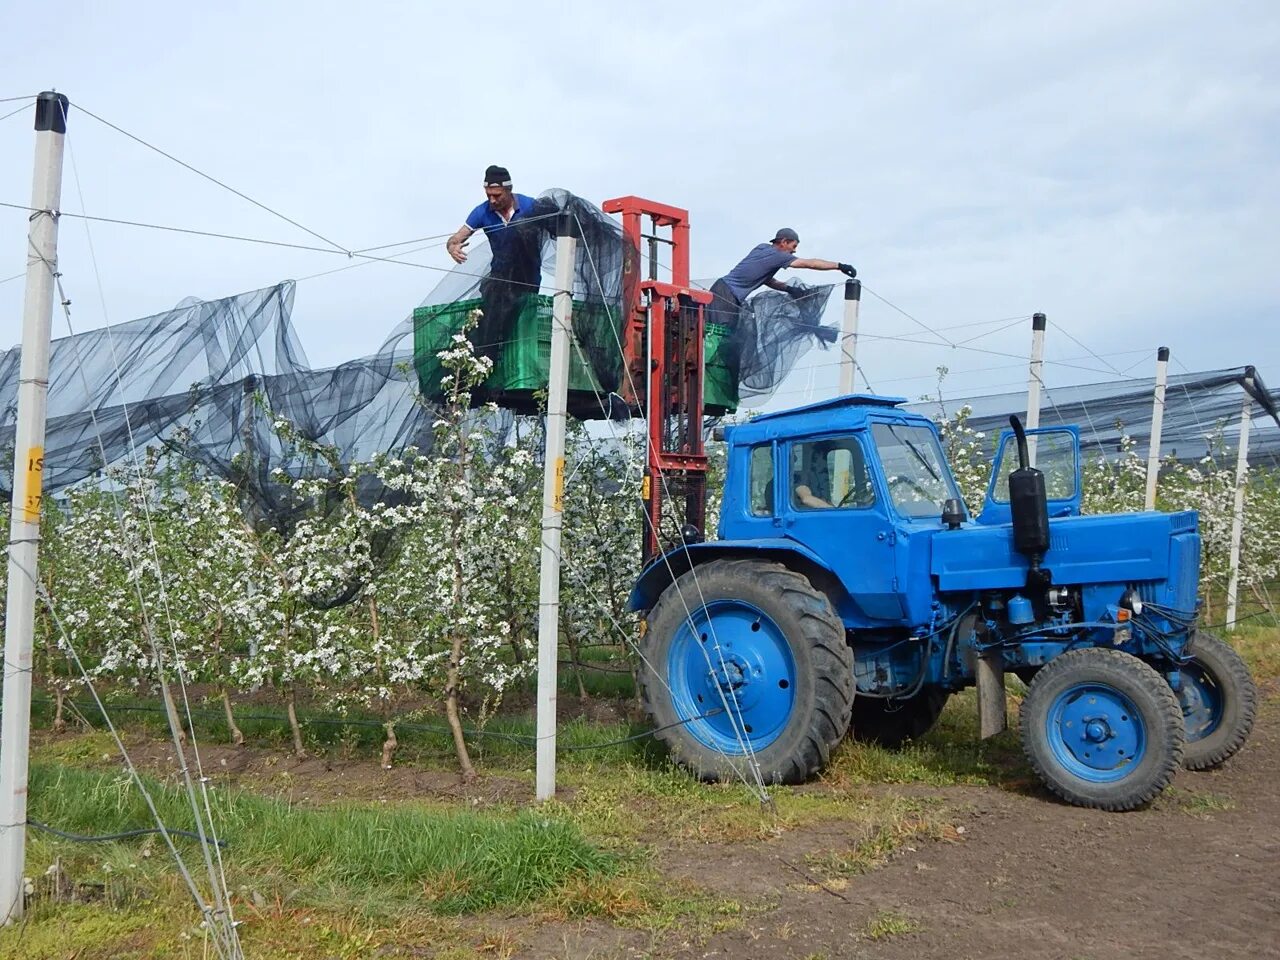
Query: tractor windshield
[[915, 470]]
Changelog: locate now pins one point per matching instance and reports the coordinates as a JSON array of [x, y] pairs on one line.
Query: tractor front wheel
[[1102, 729], [1219, 700], [746, 667]]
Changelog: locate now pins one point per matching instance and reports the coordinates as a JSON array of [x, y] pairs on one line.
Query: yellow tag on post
[[558, 500], [33, 485]]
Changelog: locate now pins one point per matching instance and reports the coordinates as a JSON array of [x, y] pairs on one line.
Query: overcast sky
[[1115, 165]]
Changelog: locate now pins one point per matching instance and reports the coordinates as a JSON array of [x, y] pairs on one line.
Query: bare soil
[[1196, 875], [1018, 874]]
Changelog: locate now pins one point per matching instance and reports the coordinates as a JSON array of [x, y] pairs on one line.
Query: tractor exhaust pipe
[[1029, 506]]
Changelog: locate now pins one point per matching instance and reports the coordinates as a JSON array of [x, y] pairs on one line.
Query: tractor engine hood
[[1116, 548]]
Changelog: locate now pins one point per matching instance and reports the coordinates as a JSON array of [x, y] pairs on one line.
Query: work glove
[[796, 291], [847, 270], [825, 335]]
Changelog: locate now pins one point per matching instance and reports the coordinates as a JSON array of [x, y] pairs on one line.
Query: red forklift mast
[[662, 350]]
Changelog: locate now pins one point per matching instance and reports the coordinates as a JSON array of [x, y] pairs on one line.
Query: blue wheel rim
[[731, 652], [1096, 732], [1201, 701]]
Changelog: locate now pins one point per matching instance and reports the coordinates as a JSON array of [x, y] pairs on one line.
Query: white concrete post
[[849, 336], [1237, 512], [24, 528], [1034, 381], [1157, 423], [552, 512]]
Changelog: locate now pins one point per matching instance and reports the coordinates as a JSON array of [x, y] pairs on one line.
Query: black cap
[[785, 233], [496, 176]]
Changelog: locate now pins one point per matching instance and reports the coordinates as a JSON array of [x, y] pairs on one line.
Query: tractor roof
[[847, 412], [835, 403]]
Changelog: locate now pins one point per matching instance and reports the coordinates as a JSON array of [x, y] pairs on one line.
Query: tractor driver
[[516, 267], [809, 475], [826, 467]]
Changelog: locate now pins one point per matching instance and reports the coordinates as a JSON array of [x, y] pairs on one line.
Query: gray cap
[[785, 233]]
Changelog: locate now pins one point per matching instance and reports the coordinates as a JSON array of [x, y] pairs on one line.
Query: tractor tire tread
[[833, 667], [1220, 745], [1124, 670]]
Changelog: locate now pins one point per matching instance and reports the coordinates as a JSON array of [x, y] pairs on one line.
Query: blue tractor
[[850, 591]]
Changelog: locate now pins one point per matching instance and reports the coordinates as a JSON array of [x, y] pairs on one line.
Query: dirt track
[[1195, 876]]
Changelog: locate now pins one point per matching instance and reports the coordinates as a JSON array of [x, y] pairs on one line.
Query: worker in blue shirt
[[757, 269], [515, 270], [500, 208]]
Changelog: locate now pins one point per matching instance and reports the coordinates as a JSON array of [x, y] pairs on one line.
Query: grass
[[901, 821], [457, 861], [887, 924], [330, 881], [1196, 803], [1260, 647], [362, 879]]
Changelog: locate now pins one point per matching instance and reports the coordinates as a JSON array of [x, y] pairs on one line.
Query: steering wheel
[[850, 494]]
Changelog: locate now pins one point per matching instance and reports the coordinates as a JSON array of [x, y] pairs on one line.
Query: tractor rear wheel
[[746, 664], [891, 723], [1102, 729], [1219, 700]]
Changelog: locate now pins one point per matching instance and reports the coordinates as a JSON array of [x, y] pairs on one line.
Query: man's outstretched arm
[[816, 264], [455, 243]]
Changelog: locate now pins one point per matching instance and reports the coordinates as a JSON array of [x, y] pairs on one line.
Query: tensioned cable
[[960, 344], [1069, 363], [560, 555], [134, 775], [735, 715], [1086, 349], [1195, 412], [16, 276], [282, 244], [187, 230], [920, 323], [1129, 368], [436, 236], [366, 263], [14, 113], [211, 179], [748, 752], [211, 915], [1013, 323], [221, 893], [217, 877]]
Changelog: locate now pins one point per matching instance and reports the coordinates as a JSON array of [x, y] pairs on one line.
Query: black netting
[[764, 337], [1201, 411], [209, 378]]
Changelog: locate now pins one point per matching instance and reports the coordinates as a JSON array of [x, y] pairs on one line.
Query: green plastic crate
[[525, 362], [719, 379]]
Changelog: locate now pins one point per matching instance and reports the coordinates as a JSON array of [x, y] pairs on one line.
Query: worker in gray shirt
[[757, 269]]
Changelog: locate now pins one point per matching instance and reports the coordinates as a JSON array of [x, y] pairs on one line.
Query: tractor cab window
[[761, 479], [1054, 454], [914, 468], [830, 473]]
